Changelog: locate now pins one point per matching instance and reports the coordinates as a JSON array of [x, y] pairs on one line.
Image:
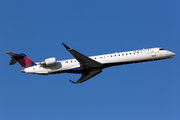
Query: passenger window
[[119, 54]]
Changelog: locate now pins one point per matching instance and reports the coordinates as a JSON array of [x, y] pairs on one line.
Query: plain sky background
[[143, 91]]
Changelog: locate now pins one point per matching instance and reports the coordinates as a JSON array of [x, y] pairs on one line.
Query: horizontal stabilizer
[[15, 54]]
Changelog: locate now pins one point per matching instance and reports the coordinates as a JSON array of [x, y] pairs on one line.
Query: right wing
[[85, 62]]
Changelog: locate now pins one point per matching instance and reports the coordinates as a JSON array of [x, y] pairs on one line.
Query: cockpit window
[[161, 49]]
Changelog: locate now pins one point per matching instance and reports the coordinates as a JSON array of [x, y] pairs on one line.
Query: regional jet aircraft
[[88, 67]]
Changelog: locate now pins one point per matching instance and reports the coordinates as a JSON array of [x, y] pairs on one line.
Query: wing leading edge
[[87, 64]]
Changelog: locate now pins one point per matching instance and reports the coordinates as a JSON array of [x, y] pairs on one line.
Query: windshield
[[161, 49]]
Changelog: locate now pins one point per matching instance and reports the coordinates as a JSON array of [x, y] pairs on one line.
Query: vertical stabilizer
[[22, 59]]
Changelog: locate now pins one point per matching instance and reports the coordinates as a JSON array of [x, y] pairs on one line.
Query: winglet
[[72, 81], [66, 46]]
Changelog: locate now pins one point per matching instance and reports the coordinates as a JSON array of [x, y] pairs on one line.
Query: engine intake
[[48, 62]]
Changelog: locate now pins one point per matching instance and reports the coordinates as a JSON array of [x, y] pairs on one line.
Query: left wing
[[89, 65], [86, 76]]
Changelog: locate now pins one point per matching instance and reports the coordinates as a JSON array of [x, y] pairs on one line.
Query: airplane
[[88, 67]]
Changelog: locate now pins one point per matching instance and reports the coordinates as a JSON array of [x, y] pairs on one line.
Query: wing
[[86, 76], [87, 64]]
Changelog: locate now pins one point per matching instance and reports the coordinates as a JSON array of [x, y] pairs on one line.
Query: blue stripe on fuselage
[[77, 69]]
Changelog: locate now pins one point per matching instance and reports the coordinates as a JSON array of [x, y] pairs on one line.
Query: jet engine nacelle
[[48, 62]]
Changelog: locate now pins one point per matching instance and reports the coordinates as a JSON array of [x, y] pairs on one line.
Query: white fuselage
[[108, 60]]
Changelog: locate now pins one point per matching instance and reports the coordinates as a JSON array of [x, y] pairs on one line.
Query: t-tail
[[22, 59]]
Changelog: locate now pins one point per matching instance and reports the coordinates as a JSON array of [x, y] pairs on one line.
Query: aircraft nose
[[23, 70], [173, 54]]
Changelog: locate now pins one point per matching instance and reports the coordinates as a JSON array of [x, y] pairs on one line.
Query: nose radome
[[173, 54]]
